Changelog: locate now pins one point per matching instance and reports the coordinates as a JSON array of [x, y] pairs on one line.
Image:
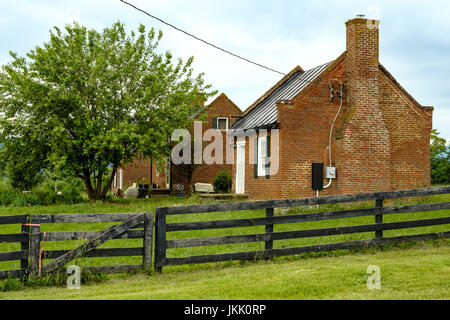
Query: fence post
[[269, 228], [160, 239], [33, 245], [25, 246], [148, 242], [379, 217]]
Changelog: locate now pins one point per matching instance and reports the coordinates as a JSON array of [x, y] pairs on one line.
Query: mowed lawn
[[421, 272], [418, 272]]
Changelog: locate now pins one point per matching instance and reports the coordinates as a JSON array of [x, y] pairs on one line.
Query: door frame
[[239, 145]]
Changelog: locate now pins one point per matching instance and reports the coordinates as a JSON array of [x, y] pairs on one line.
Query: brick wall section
[[139, 172], [380, 140], [409, 126]]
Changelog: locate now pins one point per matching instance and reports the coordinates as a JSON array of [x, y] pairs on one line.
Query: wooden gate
[[32, 253]]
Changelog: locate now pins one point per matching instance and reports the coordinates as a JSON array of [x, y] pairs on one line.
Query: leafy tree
[[90, 101], [440, 159]]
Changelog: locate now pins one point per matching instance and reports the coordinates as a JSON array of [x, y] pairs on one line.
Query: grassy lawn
[[421, 272]]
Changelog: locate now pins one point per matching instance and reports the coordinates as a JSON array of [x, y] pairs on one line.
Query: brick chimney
[[362, 61], [366, 141]]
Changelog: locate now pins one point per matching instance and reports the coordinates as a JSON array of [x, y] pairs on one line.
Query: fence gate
[[32, 254]]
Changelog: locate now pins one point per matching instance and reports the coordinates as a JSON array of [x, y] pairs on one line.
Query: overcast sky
[[281, 34]]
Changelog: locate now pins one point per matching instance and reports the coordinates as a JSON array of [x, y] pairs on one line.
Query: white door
[[240, 167]]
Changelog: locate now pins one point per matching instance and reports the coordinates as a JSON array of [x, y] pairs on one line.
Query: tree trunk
[[108, 185], [88, 184]]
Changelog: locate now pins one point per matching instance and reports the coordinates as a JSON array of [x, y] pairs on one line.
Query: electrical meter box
[[330, 172]]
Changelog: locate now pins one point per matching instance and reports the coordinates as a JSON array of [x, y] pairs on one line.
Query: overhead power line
[[199, 39]]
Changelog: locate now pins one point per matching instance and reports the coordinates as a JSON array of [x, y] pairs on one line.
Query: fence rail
[[269, 220]]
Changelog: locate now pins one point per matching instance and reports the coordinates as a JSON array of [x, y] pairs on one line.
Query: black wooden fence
[[140, 226], [32, 240], [269, 220]]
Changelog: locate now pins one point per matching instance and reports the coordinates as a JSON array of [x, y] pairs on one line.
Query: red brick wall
[[409, 127], [139, 172]]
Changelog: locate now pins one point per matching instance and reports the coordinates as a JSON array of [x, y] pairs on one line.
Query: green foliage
[[21, 176], [86, 101], [222, 182], [51, 190], [440, 159]]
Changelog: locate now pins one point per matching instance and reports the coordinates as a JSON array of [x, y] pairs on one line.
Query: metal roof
[[265, 112]]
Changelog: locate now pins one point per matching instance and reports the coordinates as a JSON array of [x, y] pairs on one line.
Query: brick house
[[349, 114], [220, 114]]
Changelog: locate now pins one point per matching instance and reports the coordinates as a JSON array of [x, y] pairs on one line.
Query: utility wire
[[197, 38]]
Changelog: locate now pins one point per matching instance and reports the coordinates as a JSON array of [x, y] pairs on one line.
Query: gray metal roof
[[265, 112]]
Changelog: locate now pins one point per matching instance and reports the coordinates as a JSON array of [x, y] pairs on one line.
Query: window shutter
[[255, 166], [214, 123], [267, 157]]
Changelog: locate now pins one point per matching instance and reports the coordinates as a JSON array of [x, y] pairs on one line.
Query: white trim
[[227, 125], [240, 165]]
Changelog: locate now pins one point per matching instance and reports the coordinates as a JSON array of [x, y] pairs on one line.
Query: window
[[222, 124], [262, 157]]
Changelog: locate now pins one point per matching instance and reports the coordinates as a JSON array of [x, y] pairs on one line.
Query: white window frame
[[227, 124], [262, 158], [239, 167]]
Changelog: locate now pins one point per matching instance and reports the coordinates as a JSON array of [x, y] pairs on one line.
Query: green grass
[[146, 205], [420, 271]]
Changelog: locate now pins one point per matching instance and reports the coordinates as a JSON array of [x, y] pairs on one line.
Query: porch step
[[160, 192], [223, 196]]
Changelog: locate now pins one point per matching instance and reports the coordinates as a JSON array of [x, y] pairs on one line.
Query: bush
[[23, 176], [222, 182], [59, 190], [69, 192]]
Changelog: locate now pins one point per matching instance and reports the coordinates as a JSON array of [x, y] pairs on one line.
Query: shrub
[[69, 192], [23, 176], [222, 182], [59, 190]]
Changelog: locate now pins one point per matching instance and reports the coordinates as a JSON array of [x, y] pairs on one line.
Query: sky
[[280, 34]]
